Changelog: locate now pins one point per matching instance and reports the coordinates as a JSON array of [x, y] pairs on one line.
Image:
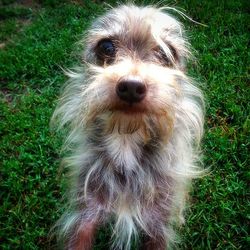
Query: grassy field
[[37, 38]]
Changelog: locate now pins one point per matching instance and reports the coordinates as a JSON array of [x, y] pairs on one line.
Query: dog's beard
[[149, 125]]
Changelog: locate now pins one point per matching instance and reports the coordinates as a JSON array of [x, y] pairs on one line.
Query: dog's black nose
[[131, 91]]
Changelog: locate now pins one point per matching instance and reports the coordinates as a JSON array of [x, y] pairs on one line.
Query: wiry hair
[[134, 164]]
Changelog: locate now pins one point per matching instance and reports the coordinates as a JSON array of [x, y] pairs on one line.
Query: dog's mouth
[[129, 108]]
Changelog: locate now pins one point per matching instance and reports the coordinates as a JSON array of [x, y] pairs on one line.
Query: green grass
[[37, 40]]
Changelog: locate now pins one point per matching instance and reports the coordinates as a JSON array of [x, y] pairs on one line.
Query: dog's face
[[134, 64]]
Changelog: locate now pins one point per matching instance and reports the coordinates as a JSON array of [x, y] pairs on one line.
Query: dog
[[135, 122]]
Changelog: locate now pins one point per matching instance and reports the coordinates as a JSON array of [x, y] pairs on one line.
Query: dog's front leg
[[155, 236], [83, 238], [153, 243]]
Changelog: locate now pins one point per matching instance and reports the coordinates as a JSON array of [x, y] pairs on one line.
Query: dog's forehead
[[139, 22]]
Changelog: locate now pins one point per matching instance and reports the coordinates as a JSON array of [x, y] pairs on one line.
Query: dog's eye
[[107, 47], [162, 57], [105, 51]]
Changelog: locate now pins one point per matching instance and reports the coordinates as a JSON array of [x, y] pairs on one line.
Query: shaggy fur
[[132, 162]]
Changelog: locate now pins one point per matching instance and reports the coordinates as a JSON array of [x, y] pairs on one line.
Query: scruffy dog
[[135, 122]]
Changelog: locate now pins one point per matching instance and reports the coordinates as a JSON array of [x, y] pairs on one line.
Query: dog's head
[[134, 72]]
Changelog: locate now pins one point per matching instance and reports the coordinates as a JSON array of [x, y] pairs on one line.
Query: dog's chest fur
[[127, 170]]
